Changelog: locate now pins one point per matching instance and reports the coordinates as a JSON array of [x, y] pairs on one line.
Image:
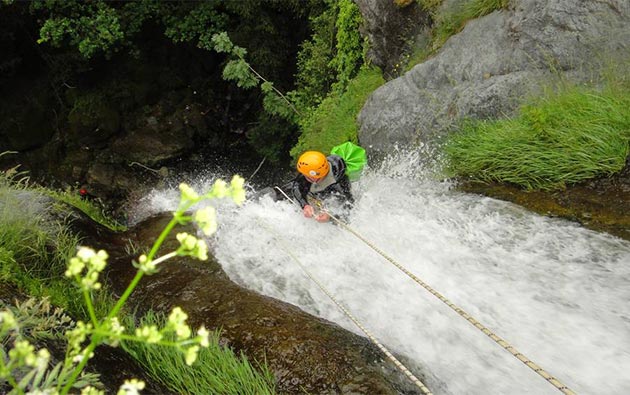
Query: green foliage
[[239, 70], [96, 30], [315, 75], [270, 136], [99, 26], [41, 245], [34, 249], [195, 22], [37, 320], [217, 369], [334, 121], [349, 56], [562, 138], [332, 86]]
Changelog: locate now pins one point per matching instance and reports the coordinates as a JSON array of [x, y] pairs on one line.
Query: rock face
[[305, 353], [388, 26], [484, 71]]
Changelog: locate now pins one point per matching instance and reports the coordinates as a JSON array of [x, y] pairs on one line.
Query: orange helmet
[[313, 164]]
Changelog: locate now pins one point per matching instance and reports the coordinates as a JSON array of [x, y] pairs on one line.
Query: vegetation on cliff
[[570, 134], [104, 61]]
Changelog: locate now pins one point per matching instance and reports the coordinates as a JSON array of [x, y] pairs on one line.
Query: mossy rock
[[92, 120]]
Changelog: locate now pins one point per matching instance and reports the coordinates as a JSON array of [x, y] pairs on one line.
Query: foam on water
[[558, 293]]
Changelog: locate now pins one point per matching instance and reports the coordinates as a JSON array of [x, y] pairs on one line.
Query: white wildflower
[[206, 219], [191, 355], [188, 194], [203, 337], [131, 387], [219, 189], [149, 333], [238, 190]]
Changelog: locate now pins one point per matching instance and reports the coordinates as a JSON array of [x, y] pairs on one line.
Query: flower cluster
[[184, 339], [192, 246], [145, 265], [7, 321], [206, 220], [131, 387], [150, 334], [23, 354], [236, 190], [77, 336], [206, 217], [91, 260]]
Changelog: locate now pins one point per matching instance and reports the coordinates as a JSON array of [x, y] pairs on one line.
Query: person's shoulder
[[338, 166], [332, 158]]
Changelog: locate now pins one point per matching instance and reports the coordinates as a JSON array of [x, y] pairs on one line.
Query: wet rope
[[528, 362], [385, 351]]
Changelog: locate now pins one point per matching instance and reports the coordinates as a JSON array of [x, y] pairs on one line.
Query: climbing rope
[[385, 351], [528, 362]]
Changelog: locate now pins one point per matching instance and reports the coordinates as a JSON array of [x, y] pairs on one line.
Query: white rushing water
[[558, 293]]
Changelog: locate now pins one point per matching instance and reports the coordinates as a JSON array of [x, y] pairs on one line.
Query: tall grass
[[453, 21], [88, 207], [334, 121], [562, 138], [41, 244], [35, 247], [217, 369]]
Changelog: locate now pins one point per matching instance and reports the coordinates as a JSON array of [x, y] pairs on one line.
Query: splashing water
[[556, 292]]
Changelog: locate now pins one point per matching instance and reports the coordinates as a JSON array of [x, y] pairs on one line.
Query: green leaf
[[238, 71], [222, 42]]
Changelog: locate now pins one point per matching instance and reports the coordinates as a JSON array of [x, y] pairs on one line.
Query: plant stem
[[90, 307], [86, 356], [139, 273]]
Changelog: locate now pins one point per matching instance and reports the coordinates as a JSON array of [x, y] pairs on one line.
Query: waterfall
[[557, 292]]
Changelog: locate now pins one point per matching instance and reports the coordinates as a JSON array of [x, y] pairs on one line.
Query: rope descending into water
[[540, 371], [389, 355]]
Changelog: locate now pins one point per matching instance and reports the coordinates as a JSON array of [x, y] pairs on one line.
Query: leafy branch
[[245, 76]]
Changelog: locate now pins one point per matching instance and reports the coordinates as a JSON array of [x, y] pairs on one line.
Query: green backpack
[[354, 156]]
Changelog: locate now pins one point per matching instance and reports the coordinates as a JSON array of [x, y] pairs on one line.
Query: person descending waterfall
[[320, 176]]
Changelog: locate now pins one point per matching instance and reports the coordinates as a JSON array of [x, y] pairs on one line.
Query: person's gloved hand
[[308, 211], [322, 217]]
